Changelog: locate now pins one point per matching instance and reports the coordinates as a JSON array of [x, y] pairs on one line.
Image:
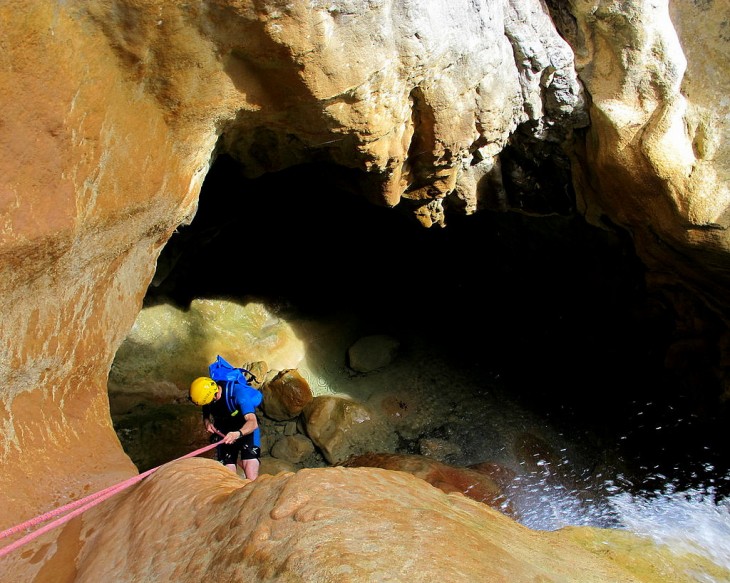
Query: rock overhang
[[147, 87]]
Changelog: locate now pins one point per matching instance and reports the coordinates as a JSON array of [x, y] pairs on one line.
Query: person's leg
[[250, 458], [227, 455], [250, 468]]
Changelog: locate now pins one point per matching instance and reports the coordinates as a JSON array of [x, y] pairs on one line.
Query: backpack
[[222, 370]]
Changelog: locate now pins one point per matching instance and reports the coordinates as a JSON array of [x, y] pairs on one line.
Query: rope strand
[[80, 506]]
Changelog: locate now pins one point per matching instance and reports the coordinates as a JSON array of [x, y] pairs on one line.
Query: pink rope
[[81, 506], [61, 509]]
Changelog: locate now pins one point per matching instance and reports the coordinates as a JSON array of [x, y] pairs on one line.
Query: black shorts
[[228, 453]]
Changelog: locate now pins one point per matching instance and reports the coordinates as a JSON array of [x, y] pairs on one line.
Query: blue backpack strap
[[248, 372], [230, 401], [241, 397]]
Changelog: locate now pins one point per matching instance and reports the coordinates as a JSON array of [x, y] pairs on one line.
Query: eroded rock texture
[[113, 111], [656, 152], [335, 524]]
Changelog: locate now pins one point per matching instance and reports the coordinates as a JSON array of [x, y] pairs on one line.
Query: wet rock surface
[[346, 524]]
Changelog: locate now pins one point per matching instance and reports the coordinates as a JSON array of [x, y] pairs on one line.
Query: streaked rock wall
[[112, 112]]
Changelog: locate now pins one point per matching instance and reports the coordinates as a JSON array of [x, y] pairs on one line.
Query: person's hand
[[231, 437], [209, 427]]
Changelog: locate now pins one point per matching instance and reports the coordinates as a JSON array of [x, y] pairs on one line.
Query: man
[[229, 414]]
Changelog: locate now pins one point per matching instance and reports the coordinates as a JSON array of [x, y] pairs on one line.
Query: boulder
[[286, 395], [372, 352]]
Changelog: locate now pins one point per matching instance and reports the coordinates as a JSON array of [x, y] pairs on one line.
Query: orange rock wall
[[93, 183], [342, 524], [655, 158], [111, 112]]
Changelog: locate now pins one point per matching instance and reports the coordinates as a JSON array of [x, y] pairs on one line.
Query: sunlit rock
[[340, 427], [168, 347], [194, 520], [657, 125], [286, 395]]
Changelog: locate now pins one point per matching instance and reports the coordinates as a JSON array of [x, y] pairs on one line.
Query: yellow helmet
[[202, 390]]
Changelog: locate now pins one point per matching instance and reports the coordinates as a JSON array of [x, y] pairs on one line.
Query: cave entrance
[[295, 234], [547, 310]]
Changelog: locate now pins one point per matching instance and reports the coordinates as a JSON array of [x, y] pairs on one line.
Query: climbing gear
[[76, 508], [202, 390], [222, 370], [229, 377]]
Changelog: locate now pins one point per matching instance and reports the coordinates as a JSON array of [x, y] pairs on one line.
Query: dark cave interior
[[556, 307]]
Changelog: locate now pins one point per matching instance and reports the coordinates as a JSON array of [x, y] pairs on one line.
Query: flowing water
[[693, 521], [686, 508]]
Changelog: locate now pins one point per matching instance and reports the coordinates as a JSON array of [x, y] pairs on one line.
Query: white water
[[686, 521], [691, 521]]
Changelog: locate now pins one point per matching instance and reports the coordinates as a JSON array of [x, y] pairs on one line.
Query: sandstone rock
[[673, 124], [341, 427], [286, 395], [408, 96], [479, 486], [194, 520]]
